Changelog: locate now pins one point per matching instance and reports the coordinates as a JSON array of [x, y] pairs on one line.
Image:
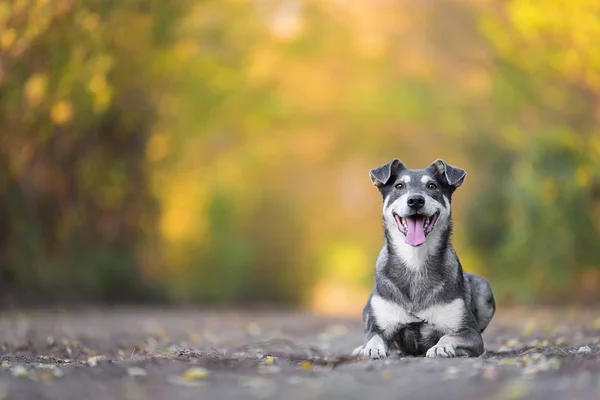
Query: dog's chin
[[416, 227]]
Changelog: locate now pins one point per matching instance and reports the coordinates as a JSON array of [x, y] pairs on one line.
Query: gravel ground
[[208, 354]]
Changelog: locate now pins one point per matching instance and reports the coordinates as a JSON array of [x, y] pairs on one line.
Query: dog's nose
[[416, 201]]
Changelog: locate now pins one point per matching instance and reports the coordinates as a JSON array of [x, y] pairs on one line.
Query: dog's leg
[[466, 343], [482, 299], [374, 346]]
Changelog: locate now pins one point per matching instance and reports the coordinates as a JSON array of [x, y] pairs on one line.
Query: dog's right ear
[[381, 175]]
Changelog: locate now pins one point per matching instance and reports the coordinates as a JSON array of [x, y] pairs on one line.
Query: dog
[[423, 303]]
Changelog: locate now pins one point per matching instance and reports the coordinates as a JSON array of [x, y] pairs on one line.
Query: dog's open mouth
[[416, 227]]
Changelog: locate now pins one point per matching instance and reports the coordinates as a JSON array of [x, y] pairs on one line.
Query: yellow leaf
[[62, 112], [306, 365], [269, 360], [93, 361], [195, 374]]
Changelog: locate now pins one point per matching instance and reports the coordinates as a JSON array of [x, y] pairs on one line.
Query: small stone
[[19, 370], [136, 372], [453, 370], [584, 350]]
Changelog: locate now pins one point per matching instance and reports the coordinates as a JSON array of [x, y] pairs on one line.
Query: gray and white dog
[[423, 303]]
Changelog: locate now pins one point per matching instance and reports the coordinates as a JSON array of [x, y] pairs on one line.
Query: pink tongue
[[415, 235]]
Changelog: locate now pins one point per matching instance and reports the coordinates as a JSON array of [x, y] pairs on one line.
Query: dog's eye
[[431, 185], [400, 186]]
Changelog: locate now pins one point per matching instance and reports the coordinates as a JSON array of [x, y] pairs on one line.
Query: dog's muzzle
[[416, 227]]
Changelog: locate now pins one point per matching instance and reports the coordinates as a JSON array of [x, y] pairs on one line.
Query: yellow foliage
[[7, 38], [158, 147], [346, 262], [101, 91], [35, 89], [62, 112], [184, 208]]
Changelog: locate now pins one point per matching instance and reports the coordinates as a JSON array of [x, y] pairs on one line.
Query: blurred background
[[217, 152]]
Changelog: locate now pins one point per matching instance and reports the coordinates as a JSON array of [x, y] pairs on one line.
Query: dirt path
[[181, 354]]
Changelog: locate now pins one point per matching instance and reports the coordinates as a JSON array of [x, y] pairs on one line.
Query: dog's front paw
[[441, 351], [375, 349]]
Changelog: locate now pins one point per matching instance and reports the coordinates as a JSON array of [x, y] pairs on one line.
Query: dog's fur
[[423, 303]]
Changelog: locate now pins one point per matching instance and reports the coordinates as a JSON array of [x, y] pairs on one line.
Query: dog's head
[[417, 202]]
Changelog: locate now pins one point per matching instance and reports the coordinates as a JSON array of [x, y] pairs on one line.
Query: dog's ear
[[381, 175], [454, 176]]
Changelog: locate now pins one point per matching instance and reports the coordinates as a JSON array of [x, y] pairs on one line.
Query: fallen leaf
[[306, 365], [269, 360], [195, 374], [93, 361]]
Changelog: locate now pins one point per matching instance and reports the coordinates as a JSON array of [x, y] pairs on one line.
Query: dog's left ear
[[382, 174], [454, 176]]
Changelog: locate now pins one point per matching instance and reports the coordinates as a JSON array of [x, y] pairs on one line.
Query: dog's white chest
[[390, 316]]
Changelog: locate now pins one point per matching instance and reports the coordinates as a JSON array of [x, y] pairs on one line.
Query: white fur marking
[[385, 203], [389, 315], [405, 179], [425, 179], [446, 318]]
